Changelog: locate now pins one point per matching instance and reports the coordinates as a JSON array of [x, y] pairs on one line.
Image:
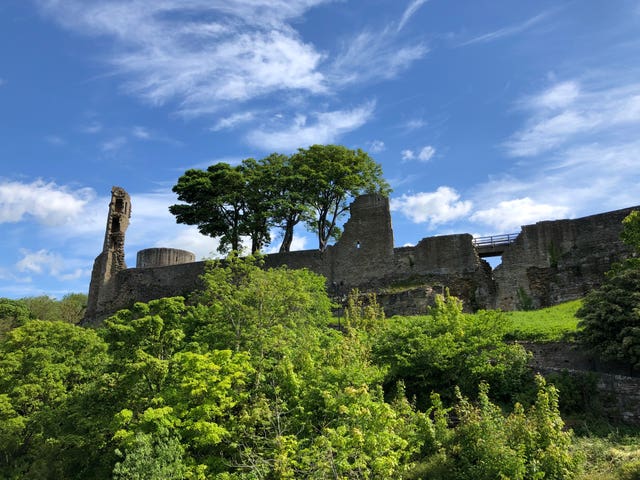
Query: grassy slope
[[545, 325]]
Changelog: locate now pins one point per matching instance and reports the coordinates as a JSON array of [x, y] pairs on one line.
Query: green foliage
[[246, 200], [246, 380], [525, 302], [13, 313], [610, 316], [334, 174], [363, 311], [631, 230], [448, 348], [486, 445], [70, 309], [45, 368], [546, 324], [222, 203]]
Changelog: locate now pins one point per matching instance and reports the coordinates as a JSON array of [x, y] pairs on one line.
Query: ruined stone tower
[[111, 260]]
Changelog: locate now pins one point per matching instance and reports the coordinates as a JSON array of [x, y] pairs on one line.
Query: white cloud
[[407, 155], [426, 153], [201, 54], [377, 146], [442, 206], [141, 133], [48, 203], [44, 262], [373, 55], [508, 216], [327, 128], [232, 121], [414, 124], [508, 31], [560, 95], [568, 112]]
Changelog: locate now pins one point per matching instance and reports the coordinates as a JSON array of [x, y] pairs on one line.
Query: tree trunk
[[288, 237]]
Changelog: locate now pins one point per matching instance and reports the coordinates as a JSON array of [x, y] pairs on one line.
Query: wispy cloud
[[201, 54], [55, 140], [435, 208], [47, 203], [376, 146], [326, 127], [569, 112], [233, 120], [141, 133], [374, 55], [508, 31], [114, 144], [413, 7], [45, 262]]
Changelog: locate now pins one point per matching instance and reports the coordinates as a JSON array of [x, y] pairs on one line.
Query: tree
[[220, 202], [283, 188], [610, 315], [334, 174]]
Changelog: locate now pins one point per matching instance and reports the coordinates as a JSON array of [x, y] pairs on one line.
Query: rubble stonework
[[549, 262], [111, 260]]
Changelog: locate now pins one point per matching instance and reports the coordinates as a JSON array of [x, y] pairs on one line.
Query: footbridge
[[495, 245]]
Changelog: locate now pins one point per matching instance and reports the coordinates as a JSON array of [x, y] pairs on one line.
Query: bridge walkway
[[494, 245]]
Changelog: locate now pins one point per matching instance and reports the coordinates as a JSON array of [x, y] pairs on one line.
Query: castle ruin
[[545, 264]]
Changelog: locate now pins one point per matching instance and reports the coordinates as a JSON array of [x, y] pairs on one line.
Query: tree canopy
[[313, 185], [610, 315]]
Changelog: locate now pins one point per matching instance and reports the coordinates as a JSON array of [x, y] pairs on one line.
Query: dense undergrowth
[[246, 380]]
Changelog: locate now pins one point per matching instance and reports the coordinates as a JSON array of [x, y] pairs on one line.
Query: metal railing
[[495, 240]]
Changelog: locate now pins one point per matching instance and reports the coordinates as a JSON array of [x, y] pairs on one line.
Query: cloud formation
[[47, 203], [435, 208], [326, 127], [508, 31], [569, 112], [508, 216], [424, 155]]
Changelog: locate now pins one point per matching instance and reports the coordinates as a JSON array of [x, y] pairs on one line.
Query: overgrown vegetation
[[248, 381], [610, 315]]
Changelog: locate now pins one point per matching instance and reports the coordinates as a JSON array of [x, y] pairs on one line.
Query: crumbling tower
[[111, 260]]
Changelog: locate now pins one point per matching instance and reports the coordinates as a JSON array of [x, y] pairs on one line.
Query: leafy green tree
[[334, 174], [219, 201], [45, 366], [610, 315], [13, 313], [284, 190]]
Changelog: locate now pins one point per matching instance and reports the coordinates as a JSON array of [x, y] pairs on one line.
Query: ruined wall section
[[434, 265], [111, 260], [556, 261]]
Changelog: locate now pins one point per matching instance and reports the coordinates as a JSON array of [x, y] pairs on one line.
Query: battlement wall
[[549, 262]]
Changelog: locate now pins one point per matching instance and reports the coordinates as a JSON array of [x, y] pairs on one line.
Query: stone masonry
[[549, 262]]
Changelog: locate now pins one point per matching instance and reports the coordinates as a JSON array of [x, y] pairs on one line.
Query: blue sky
[[485, 114]]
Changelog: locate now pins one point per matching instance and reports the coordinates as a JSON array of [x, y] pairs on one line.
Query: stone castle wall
[[556, 261], [549, 262]]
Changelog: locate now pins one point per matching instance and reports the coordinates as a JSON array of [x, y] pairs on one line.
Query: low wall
[[617, 383]]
